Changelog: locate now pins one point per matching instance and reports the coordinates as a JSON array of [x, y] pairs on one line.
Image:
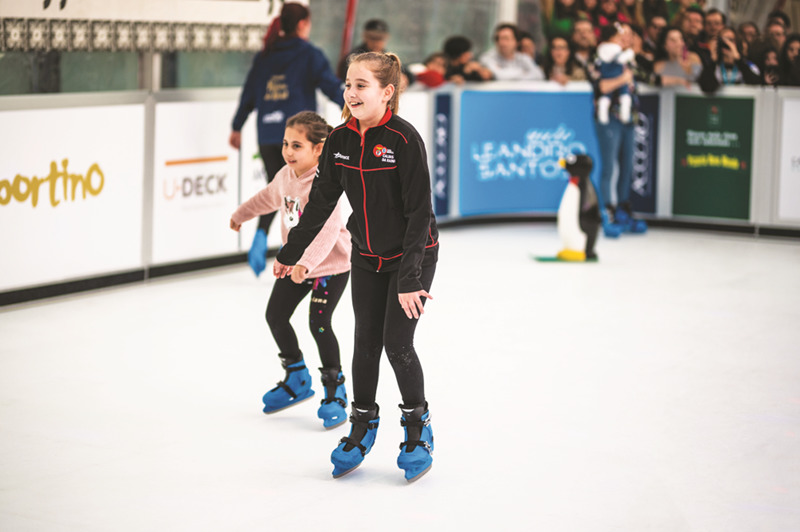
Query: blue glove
[[257, 256]]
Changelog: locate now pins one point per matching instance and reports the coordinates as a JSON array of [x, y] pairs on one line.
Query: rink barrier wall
[[151, 182]]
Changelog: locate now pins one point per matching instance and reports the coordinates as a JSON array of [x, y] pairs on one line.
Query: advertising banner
[[442, 153], [195, 185], [70, 193], [510, 145], [713, 156], [645, 155], [789, 187]]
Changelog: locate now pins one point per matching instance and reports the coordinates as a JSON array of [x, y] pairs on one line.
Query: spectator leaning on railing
[[731, 68], [461, 65], [505, 62], [560, 64], [673, 59]]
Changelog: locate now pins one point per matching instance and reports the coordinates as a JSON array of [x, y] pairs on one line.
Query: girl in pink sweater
[[326, 261]]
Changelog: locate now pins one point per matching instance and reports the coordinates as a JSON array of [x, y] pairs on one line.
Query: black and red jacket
[[385, 176]]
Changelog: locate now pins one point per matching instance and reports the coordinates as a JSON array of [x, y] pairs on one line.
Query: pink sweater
[[329, 253]]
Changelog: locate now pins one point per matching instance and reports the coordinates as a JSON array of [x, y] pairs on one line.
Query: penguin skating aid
[[578, 219]]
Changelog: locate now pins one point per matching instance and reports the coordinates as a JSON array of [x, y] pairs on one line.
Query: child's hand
[[235, 226], [281, 270], [412, 303], [299, 274]]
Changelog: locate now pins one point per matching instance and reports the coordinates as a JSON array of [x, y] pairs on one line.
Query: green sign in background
[[713, 157]]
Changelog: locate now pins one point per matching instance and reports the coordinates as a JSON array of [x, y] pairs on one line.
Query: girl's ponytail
[[284, 26]]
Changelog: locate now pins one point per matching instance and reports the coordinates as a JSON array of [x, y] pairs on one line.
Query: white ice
[[658, 390]]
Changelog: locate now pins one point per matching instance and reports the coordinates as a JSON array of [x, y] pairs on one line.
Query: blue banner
[[442, 148], [510, 145], [645, 155]]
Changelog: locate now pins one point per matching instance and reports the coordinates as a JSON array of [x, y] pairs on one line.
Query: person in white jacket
[[327, 265], [505, 62]]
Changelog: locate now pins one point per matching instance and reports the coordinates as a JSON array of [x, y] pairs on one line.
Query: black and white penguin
[[578, 218]]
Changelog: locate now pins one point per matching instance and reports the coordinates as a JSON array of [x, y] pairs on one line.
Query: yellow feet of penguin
[[570, 255]]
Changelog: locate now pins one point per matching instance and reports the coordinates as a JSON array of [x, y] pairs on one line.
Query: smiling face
[[583, 35], [559, 50], [714, 25], [506, 42], [792, 50], [299, 153], [674, 44], [364, 96]]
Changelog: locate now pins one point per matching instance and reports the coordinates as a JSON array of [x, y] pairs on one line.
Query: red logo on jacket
[[379, 150]]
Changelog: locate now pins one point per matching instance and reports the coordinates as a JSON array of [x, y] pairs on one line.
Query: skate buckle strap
[[369, 424], [339, 400], [420, 423], [298, 368], [421, 443], [354, 443], [287, 390]]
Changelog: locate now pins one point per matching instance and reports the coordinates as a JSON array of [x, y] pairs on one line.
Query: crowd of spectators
[[675, 42]]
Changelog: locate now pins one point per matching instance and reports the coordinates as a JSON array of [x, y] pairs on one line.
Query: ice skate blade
[[339, 424], [343, 473], [297, 402], [419, 475]]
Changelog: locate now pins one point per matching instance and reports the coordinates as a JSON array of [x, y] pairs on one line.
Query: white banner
[[195, 187], [70, 193], [789, 188], [204, 11]]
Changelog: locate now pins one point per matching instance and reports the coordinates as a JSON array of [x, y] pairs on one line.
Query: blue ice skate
[[332, 409], [624, 218], [610, 228], [415, 453], [295, 388], [353, 448]]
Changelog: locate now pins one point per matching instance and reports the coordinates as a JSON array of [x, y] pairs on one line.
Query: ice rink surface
[[656, 390]]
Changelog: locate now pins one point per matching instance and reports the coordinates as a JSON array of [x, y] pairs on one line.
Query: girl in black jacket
[[378, 160]]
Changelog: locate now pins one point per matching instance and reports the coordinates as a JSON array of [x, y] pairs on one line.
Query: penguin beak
[[562, 163]]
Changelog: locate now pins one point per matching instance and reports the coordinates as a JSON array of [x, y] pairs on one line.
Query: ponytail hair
[[315, 127], [387, 69], [284, 26]]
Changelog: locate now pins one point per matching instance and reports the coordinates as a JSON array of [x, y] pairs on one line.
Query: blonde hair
[[315, 127], [387, 70]]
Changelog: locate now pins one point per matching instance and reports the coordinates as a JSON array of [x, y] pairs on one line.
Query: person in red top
[[378, 160], [325, 263]]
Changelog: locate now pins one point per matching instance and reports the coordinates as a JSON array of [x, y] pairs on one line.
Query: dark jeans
[[272, 156], [382, 324], [615, 140], [286, 296]]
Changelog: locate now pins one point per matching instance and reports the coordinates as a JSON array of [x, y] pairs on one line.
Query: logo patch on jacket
[[386, 155], [291, 211]]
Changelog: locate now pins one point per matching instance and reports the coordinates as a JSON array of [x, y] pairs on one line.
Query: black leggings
[[272, 157], [381, 323], [286, 296]]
